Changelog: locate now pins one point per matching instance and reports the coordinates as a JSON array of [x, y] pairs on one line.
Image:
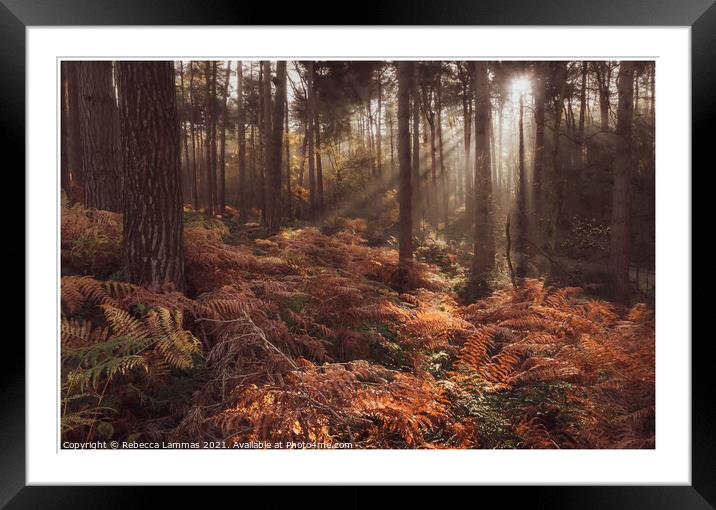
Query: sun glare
[[521, 85]]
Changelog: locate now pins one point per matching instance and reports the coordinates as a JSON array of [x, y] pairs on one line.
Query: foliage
[[316, 338]]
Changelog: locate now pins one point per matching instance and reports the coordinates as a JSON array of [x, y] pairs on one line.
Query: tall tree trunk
[[469, 173], [319, 161], [539, 149], [222, 149], [310, 116], [392, 143], [65, 177], [289, 200], [100, 159], [274, 184], [241, 145], [416, 178], [184, 141], [484, 253], [267, 139], [603, 79], [378, 141], [208, 143], [405, 192], [152, 221], [622, 178], [443, 175], [194, 172], [582, 110], [558, 80], [74, 137], [521, 213]]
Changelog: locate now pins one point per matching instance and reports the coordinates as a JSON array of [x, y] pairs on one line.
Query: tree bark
[[416, 177], [319, 160], [274, 213], [405, 191], [267, 139], [152, 221], [539, 149], [74, 138], [100, 158], [222, 159], [622, 181], [241, 145], [311, 148], [194, 173], [65, 178], [484, 251]]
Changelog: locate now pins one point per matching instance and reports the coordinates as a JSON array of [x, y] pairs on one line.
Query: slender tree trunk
[[319, 161], [74, 137], [603, 79], [416, 178], [469, 173], [208, 143], [268, 179], [274, 184], [65, 178], [378, 141], [539, 150], [559, 81], [222, 149], [241, 145], [152, 220], [521, 214], [622, 177], [405, 192], [392, 143], [100, 158], [289, 200], [194, 173], [443, 174], [184, 141], [310, 116], [484, 253]]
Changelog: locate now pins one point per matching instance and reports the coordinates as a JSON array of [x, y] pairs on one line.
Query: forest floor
[[316, 337]]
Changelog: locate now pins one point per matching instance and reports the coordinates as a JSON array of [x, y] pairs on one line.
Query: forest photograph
[[357, 254]]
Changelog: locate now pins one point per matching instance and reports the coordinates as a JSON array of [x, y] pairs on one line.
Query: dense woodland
[[414, 254]]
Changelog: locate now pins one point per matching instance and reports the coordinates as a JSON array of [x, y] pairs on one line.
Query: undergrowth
[[312, 337]]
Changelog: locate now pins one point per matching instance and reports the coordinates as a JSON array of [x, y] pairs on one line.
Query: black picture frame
[[700, 15]]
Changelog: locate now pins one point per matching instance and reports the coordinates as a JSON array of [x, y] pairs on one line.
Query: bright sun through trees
[[358, 254]]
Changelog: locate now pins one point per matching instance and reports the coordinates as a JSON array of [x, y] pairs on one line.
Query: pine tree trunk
[[266, 137], [311, 148], [65, 178], [416, 177], [521, 213], [152, 221], [98, 112], [74, 137], [378, 141], [222, 159], [484, 253], [319, 162], [194, 173], [184, 141], [274, 181], [208, 143], [539, 149], [469, 173], [443, 174], [622, 180], [405, 192], [241, 145]]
